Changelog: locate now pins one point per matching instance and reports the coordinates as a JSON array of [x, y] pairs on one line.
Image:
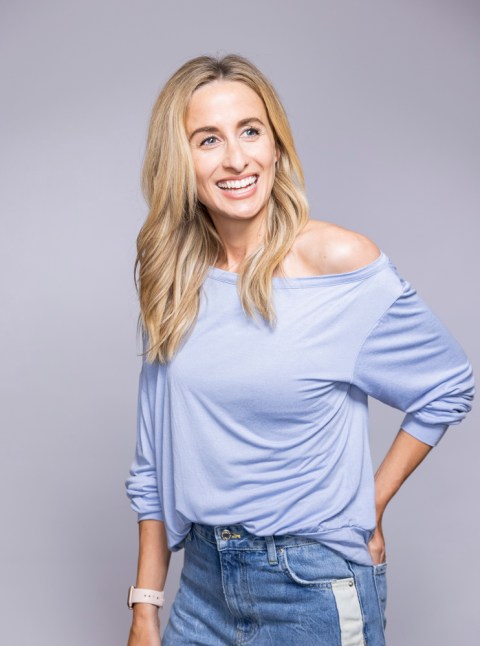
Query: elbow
[[464, 395], [430, 418], [457, 399]]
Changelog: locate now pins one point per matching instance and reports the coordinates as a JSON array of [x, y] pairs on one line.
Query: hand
[[145, 628], [376, 545]]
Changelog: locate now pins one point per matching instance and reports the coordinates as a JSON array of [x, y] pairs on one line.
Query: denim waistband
[[237, 537]]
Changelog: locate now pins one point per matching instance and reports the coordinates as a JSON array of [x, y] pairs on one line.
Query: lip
[[234, 178]]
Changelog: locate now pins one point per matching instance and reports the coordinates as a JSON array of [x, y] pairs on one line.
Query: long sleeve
[[141, 486], [410, 361]]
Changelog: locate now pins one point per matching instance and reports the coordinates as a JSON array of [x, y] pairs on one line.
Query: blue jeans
[[237, 588]]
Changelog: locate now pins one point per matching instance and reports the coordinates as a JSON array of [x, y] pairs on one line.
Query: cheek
[[269, 157], [204, 186], [203, 192], [203, 171], [201, 179]]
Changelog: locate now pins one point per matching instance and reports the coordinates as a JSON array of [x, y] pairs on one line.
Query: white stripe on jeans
[[349, 612]]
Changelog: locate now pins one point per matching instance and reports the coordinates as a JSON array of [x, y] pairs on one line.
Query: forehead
[[222, 102]]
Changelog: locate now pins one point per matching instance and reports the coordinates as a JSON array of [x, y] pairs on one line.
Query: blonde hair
[[178, 241]]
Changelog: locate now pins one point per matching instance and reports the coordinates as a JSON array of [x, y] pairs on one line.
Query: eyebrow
[[242, 122]]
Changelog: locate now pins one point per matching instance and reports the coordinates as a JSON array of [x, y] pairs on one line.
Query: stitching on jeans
[[377, 594], [255, 623]]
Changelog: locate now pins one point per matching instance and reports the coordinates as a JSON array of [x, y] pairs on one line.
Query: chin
[[241, 215]]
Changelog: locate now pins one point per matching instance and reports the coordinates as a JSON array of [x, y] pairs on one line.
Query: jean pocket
[[380, 577], [314, 564]]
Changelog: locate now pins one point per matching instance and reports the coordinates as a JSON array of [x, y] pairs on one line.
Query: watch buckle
[[129, 599]]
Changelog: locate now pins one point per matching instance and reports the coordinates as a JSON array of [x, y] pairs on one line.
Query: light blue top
[[269, 428]]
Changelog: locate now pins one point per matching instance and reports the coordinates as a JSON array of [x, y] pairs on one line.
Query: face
[[233, 150]]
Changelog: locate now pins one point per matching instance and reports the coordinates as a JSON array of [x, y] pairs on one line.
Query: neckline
[[307, 281]]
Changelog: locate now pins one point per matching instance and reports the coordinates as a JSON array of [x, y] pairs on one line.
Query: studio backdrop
[[383, 98]]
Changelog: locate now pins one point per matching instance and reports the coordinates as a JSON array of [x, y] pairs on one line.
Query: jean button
[[226, 533]]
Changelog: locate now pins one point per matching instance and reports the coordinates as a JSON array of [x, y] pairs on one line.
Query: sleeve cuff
[[428, 433], [150, 515]]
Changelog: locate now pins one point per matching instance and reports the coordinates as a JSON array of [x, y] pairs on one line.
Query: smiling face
[[233, 149]]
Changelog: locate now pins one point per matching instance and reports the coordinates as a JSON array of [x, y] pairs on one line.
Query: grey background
[[384, 99]]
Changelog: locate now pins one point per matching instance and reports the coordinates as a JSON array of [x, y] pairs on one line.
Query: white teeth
[[238, 183]]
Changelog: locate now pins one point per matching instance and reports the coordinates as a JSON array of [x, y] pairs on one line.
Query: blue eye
[[253, 131], [208, 139]]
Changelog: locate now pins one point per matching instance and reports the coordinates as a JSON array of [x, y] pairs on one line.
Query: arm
[[411, 362], [403, 457], [142, 491], [153, 561]]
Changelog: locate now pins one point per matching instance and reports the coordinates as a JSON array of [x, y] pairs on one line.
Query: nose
[[235, 157]]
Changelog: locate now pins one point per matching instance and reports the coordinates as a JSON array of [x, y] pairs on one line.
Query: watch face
[[129, 598]]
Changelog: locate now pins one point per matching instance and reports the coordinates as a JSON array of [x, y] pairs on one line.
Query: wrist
[[144, 595], [145, 612], [382, 498], [379, 511]]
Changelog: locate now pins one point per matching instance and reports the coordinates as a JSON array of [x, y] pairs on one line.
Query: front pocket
[[313, 564]]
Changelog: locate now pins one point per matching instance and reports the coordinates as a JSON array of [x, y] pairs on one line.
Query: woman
[[264, 333]]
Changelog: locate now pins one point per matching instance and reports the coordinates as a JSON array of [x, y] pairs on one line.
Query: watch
[[144, 595]]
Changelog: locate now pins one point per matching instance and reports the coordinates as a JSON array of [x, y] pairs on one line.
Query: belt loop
[[271, 550]]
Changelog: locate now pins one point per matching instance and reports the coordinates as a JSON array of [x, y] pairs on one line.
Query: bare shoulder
[[326, 248]]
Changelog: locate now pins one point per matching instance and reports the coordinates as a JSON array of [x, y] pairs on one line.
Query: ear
[[277, 154]]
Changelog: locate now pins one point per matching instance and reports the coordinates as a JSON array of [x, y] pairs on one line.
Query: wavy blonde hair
[[178, 241]]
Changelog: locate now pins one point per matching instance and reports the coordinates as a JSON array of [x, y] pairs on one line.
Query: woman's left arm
[[409, 360], [403, 457]]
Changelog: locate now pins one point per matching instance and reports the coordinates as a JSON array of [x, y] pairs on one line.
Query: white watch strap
[[144, 595]]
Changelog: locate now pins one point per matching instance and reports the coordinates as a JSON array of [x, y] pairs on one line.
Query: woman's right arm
[[153, 561], [142, 490]]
